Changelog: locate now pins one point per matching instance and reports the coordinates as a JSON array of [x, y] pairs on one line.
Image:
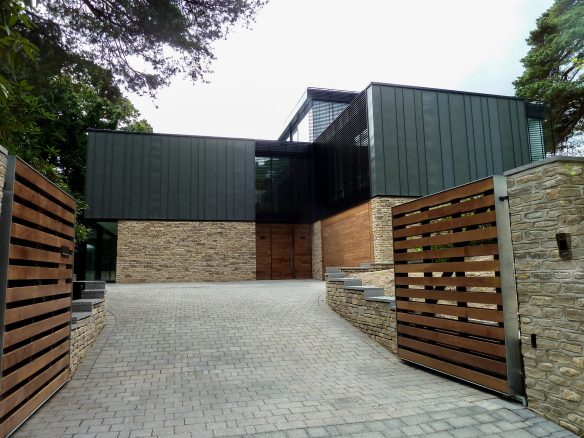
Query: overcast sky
[[261, 73]]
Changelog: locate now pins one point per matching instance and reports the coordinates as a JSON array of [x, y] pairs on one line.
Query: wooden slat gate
[[36, 270], [456, 300]]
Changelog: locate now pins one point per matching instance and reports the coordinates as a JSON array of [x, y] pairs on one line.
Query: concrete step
[[365, 265], [93, 294], [332, 269], [85, 305]]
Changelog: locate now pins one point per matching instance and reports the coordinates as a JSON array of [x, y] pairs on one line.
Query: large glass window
[[536, 140], [101, 251]]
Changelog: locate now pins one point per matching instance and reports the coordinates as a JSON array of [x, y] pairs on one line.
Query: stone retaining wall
[[84, 333], [381, 227], [376, 319], [158, 251], [545, 199], [378, 274], [316, 230]]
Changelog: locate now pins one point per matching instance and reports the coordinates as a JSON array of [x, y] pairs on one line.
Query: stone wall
[[84, 333], [548, 198], [317, 273], [3, 162], [377, 319], [381, 227], [158, 251]]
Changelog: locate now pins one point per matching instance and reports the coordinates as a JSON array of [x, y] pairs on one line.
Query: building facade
[[191, 208]]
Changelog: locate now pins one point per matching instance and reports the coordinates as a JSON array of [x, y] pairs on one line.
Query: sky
[[260, 73]]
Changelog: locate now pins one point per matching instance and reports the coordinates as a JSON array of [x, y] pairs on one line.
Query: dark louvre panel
[[322, 115], [284, 183], [342, 160]]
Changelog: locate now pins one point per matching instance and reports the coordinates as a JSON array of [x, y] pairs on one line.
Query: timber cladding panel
[[284, 251], [36, 286], [450, 294], [164, 251], [347, 237]]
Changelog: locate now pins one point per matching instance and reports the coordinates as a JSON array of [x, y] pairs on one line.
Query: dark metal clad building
[[230, 208], [391, 140], [169, 177], [423, 140]]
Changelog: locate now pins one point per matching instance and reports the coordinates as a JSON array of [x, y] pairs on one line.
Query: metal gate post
[[5, 227], [508, 290]]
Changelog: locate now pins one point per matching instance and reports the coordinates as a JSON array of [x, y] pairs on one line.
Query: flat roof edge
[[445, 90]]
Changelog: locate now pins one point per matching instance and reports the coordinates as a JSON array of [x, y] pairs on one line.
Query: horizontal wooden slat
[[452, 355], [28, 214], [38, 255], [20, 395], [26, 233], [454, 370], [16, 418], [443, 309], [461, 192], [28, 173], [34, 273], [22, 353], [483, 202], [492, 348], [468, 297], [449, 281], [466, 221], [470, 328], [466, 251], [20, 313], [22, 191], [21, 374], [482, 266], [14, 294], [443, 239], [20, 334]]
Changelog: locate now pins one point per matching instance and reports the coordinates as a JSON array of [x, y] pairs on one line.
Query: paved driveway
[[231, 359]]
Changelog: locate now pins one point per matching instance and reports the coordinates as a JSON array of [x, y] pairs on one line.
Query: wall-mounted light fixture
[[564, 246]]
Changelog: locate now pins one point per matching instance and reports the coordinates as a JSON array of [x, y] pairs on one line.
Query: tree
[[50, 98], [145, 43], [553, 71]]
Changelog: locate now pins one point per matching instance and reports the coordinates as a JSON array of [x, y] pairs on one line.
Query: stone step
[[365, 265], [334, 275], [85, 305], [368, 291], [93, 294], [78, 316], [332, 269], [383, 299], [347, 281], [90, 284], [80, 286]]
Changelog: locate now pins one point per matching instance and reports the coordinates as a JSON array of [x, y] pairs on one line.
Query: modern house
[[188, 208]]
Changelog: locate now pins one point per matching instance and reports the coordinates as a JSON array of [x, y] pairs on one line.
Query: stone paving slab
[[265, 359]]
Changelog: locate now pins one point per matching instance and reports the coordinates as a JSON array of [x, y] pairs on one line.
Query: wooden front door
[[283, 251]]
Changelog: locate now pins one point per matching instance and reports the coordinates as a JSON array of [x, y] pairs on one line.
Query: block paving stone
[[265, 359]]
